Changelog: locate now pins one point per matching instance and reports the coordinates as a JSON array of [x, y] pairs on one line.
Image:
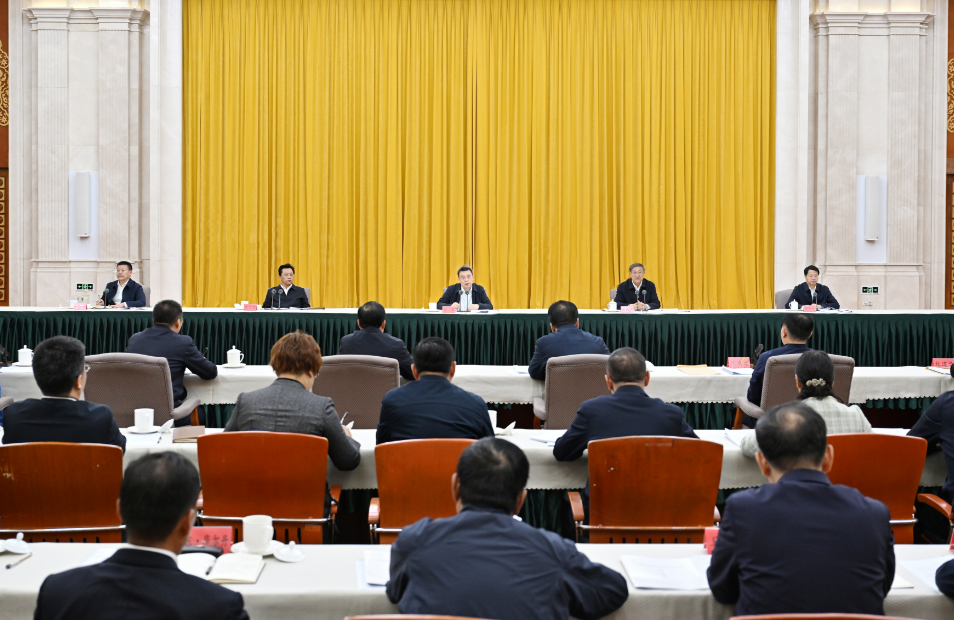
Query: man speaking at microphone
[[637, 291], [465, 296], [287, 295]]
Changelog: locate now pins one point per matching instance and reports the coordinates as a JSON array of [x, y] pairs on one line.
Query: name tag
[[942, 362], [250, 307], [809, 308], [79, 306], [628, 309], [738, 362], [710, 536], [448, 309]]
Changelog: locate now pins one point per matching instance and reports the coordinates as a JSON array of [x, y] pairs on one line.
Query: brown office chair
[[944, 510], [60, 492], [883, 467], [128, 381], [650, 489], [612, 294], [778, 385], [278, 474], [147, 291], [818, 617], [414, 481], [357, 384], [571, 380]]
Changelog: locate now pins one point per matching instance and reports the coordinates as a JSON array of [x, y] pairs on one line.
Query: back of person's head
[[800, 326], [626, 365], [563, 313], [57, 362], [816, 373], [792, 435], [157, 491], [296, 353], [492, 472], [371, 314], [166, 312], [433, 355]]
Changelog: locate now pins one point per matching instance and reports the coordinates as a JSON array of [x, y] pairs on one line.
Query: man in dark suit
[[796, 330], [370, 339], [936, 425], [811, 293], [944, 578], [287, 295], [59, 369], [637, 291], [465, 295], [432, 407], [164, 340], [565, 338], [142, 580], [123, 292], [484, 563], [801, 544]]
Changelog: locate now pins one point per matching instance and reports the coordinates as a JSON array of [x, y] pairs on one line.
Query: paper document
[[701, 369], [237, 568], [900, 583], [550, 440], [22, 369], [196, 564], [925, 569], [667, 574], [520, 370], [736, 435], [738, 371], [377, 566], [940, 370]]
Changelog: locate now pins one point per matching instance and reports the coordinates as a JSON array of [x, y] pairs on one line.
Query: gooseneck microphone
[[460, 300], [105, 293], [644, 298]]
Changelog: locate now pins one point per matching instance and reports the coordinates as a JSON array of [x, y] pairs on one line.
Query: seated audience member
[[370, 339], [465, 295], [484, 563], [164, 340], [796, 330], [637, 291], [123, 292], [141, 580], [566, 338], [59, 369], [432, 407], [811, 293], [815, 376], [937, 427], [801, 544], [944, 578]]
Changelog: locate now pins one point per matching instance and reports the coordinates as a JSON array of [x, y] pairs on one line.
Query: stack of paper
[[926, 569], [701, 369], [738, 371], [667, 574]]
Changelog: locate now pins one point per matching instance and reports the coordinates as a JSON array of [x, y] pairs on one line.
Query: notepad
[[940, 370], [925, 569], [377, 566], [736, 436], [187, 434], [738, 371], [701, 369], [229, 568], [667, 573]]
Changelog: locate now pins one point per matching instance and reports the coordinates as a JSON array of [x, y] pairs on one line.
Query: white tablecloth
[[325, 586]]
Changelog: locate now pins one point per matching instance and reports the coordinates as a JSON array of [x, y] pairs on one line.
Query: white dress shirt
[[286, 289], [465, 297], [154, 550], [118, 297]]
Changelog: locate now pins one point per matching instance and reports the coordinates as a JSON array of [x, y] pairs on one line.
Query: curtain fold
[[377, 145]]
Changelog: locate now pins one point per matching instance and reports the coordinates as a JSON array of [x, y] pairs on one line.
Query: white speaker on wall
[[872, 208]]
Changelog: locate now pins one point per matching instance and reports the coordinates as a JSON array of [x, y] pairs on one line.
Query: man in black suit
[[566, 338], [432, 407], [465, 295], [944, 578], [484, 563], [637, 291], [801, 544], [142, 580], [123, 292], [59, 369], [936, 425], [796, 330], [287, 295], [164, 340], [811, 293], [370, 339]]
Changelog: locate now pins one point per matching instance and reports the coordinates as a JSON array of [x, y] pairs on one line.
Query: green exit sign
[[869, 290], [84, 287]]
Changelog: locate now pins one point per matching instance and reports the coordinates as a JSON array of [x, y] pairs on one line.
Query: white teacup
[[25, 355], [611, 306], [144, 419], [235, 357], [244, 303], [493, 417], [432, 305], [257, 533], [793, 305]]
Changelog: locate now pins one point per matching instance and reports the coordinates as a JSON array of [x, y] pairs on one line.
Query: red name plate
[[809, 308], [709, 538], [942, 362], [250, 307], [449, 309], [738, 362], [628, 309], [212, 537], [79, 306]]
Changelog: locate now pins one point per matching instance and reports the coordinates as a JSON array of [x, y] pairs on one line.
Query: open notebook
[[229, 568]]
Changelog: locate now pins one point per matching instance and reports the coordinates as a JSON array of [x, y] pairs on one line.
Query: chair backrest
[[779, 384], [147, 291], [126, 382], [844, 373], [781, 297], [666, 486], [571, 380], [612, 294], [50, 486], [308, 295], [883, 467], [277, 474], [357, 384], [414, 481]]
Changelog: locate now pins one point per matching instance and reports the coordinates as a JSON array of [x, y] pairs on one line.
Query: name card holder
[[809, 308], [448, 309], [250, 307], [738, 362], [942, 362], [631, 309], [79, 306], [709, 538]]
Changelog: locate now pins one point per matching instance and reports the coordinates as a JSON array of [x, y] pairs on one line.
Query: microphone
[[757, 353], [105, 293], [460, 295], [814, 298], [644, 298]]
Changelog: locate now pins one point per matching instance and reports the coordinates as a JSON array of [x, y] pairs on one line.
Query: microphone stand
[[644, 300]]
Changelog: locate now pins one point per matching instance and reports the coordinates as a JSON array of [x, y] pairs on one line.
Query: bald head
[[792, 436]]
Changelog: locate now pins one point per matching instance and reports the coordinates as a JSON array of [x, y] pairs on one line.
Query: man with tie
[[566, 339], [811, 293], [465, 296], [287, 295], [637, 291], [123, 292]]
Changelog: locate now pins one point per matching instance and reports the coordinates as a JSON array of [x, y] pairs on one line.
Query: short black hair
[[166, 312], [626, 365], [57, 362], [157, 491], [812, 268], [563, 313], [800, 326], [284, 267], [371, 314], [433, 355], [790, 434], [125, 262], [492, 472], [635, 265], [464, 268]]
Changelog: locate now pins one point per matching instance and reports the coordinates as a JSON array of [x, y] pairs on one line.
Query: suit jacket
[[566, 340], [944, 578], [478, 296], [937, 427], [432, 408], [626, 294], [372, 341], [57, 419], [133, 295], [179, 351], [803, 545], [803, 295], [135, 584], [483, 563], [295, 298], [758, 374]]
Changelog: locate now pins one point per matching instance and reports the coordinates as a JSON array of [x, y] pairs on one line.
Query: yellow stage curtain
[[379, 144]]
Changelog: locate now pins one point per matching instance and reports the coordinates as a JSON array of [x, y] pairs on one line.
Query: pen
[[12, 564], [343, 418]]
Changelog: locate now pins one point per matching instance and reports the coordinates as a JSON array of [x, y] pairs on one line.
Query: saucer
[[23, 364], [274, 546], [228, 366], [135, 431]]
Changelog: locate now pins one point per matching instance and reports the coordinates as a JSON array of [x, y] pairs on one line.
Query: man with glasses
[[59, 368]]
